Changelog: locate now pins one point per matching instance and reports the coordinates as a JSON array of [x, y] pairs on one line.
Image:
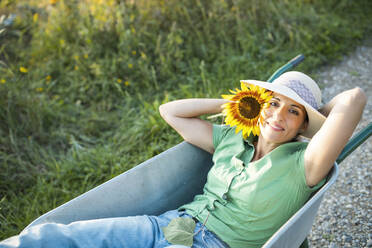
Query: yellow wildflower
[[86, 56], [119, 80], [3, 81], [92, 8], [76, 57], [48, 78], [96, 69], [76, 67], [35, 17], [39, 89], [134, 52], [53, 1], [62, 42], [133, 30], [102, 18], [126, 83], [143, 55], [130, 66], [23, 69]]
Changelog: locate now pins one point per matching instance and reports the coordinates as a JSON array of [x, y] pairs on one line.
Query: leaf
[[180, 231]]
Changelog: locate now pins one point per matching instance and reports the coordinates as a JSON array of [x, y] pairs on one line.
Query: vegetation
[[81, 81]]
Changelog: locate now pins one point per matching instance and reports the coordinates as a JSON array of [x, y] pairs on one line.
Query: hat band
[[302, 91]]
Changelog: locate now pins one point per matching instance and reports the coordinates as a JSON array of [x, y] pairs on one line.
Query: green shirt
[[248, 201]]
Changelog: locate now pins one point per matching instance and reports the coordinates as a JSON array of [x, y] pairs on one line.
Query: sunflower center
[[249, 107]]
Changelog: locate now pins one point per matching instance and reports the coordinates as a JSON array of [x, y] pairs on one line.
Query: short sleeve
[[301, 171], [219, 132]]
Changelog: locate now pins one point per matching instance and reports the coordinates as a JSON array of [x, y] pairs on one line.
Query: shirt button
[[210, 208], [224, 196]]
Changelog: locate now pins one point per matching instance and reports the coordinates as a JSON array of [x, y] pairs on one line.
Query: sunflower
[[245, 107]]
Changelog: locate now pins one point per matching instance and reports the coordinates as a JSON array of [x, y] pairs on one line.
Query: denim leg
[[138, 231]]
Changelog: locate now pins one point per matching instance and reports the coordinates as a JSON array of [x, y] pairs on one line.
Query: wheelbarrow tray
[[165, 182]]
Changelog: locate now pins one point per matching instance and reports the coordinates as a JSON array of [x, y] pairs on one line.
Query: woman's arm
[[183, 115], [343, 114]]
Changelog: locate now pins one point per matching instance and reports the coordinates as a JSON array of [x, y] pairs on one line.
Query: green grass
[[86, 110]]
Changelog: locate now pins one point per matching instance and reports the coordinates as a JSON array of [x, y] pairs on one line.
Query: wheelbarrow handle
[[296, 60], [290, 64], [354, 142]]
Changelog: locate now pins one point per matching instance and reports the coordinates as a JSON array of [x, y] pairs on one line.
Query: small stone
[[369, 243], [369, 187], [332, 245], [348, 239]]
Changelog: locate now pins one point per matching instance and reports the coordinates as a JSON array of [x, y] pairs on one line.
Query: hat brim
[[316, 119]]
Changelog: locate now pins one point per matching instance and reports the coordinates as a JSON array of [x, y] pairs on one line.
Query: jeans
[[137, 231]]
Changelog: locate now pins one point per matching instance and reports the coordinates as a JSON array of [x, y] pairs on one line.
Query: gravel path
[[345, 215]]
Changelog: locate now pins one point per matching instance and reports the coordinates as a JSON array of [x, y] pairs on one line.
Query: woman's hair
[[306, 117], [297, 137]]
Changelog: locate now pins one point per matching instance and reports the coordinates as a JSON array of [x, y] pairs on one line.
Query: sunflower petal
[[228, 97], [243, 86]]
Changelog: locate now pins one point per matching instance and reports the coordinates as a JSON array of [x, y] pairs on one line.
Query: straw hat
[[302, 89]]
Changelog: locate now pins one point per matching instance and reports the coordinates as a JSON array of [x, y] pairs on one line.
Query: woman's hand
[[343, 114], [183, 115]]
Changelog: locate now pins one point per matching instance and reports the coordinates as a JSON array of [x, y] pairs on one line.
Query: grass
[[84, 108]]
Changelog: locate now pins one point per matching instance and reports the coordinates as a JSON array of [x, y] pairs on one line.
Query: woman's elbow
[[163, 111], [359, 96]]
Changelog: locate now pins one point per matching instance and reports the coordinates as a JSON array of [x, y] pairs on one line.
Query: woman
[[280, 174], [255, 185]]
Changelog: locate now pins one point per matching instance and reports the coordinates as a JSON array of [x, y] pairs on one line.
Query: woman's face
[[282, 120]]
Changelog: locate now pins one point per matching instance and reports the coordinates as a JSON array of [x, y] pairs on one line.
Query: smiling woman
[[282, 120], [241, 204]]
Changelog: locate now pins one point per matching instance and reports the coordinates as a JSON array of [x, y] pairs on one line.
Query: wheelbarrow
[[173, 178]]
